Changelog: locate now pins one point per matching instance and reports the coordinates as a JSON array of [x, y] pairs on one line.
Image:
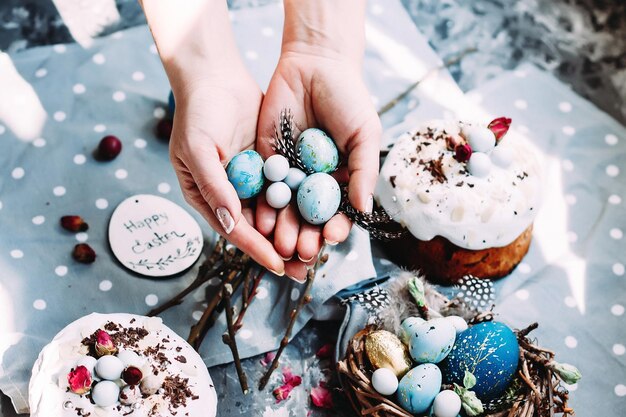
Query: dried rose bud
[[83, 253], [74, 224], [109, 148], [499, 127], [164, 129], [79, 380], [132, 375], [462, 153], [104, 344]]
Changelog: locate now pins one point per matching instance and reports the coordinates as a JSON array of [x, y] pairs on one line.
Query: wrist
[[327, 28]]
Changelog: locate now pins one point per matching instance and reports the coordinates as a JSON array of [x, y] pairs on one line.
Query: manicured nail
[[331, 243], [306, 260], [369, 206], [280, 274], [225, 219], [299, 281], [286, 259]]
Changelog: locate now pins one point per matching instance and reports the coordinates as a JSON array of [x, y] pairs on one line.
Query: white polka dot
[[611, 139], [565, 107], [620, 390], [215, 281], [41, 72], [352, 255], [81, 236], [98, 59], [571, 388], [615, 199], [567, 165], [252, 55], [17, 254], [159, 113], [59, 49], [121, 174], [521, 104], [0, 205], [164, 188], [153, 49], [106, 285], [59, 116], [261, 293], [79, 89], [619, 349], [570, 199], [39, 304], [245, 334], [618, 269], [612, 171], [522, 294], [616, 233], [99, 128], [80, 159], [377, 9], [39, 143], [524, 268], [617, 309], [2, 129], [138, 76], [37, 220], [295, 294], [101, 203], [58, 191], [267, 31], [568, 130], [571, 342], [520, 73], [385, 262], [570, 302], [61, 270], [152, 300], [197, 315], [119, 96], [140, 143], [18, 173]]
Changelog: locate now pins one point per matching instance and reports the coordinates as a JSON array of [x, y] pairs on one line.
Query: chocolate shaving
[[392, 180], [121, 336], [435, 167], [181, 359], [177, 391]]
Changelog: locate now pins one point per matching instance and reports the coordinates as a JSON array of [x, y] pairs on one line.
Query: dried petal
[[79, 380], [74, 223], [291, 381], [268, 358], [499, 127], [104, 344], [322, 397], [132, 375], [83, 253], [462, 152], [325, 351]]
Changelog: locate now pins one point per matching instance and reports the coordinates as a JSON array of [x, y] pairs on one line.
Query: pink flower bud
[[104, 344], [462, 153], [499, 127], [321, 397], [79, 379], [132, 375]]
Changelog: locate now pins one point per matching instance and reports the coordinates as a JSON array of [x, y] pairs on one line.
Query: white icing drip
[[492, 213], [48, 384]]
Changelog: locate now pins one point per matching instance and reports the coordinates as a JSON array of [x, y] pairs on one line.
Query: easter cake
[[120, 365], [468, 195]]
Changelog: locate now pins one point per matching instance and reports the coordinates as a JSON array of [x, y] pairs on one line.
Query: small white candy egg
[[479, 164], [151, 384], [502, 156], [447, 404], [130, 394], [294, 178], [276, 168], [384, 381], [109, 367], [479, 138], [105, 393], [88, 362], [278, 195], [130, 358], [459, 324]]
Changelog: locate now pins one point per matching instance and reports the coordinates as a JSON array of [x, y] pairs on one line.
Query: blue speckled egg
[[318, 152], [408, 326], [318, 198], [245, 173], [432, 340], [171, 103], [419, 387], [489, 351]]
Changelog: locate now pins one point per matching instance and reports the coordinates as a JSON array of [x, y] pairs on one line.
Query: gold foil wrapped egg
[[385, 350]]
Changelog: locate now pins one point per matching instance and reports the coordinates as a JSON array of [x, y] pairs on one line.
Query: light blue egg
[[408, 326], [294, 178], [317, 151], [419, 387], [488, 350], [245, 173], [171, 104], [431, 341], [318, 198]]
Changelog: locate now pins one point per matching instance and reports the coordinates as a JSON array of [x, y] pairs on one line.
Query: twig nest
[[276, 168], [384, 381], [447, 404], [479, 164], [317, 151], [245, 173], [432, 341], [419, 387], [385, 350], [481, 139], [109, 367], [105, 393], [278, 195], [318, 198]]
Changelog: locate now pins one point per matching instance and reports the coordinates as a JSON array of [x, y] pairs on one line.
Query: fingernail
[[299, 281], [369, 206], [306, 260], [331, 243], [285, 259], [280, 274], [225, 219]]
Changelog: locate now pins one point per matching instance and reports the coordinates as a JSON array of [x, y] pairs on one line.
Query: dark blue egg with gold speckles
[[488, 350]]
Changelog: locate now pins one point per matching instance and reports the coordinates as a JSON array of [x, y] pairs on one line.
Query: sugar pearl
[[151, 384], [105, 393], [88, 362], [447, 404], [130, 358], [278, 195], [502, 156], [294, 178], [276, 168], [384, 381], [109, 367], [479, 138], [479, 164], [130, 394]]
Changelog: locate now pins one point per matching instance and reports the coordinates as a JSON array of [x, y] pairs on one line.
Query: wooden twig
[[304, 299], [251, 295], [229, 337]]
